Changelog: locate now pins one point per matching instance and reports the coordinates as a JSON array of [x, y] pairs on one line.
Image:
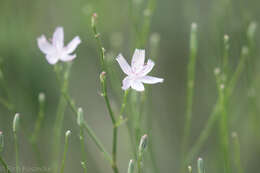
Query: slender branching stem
[[101, 51], [216, 111]]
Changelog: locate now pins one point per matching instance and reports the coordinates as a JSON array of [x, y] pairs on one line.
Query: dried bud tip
[[244, 50], [68, 133], [234, 134], [41, 97], [194, 26], [143, 143], [189, 169], [217, 71], [102, 76], [226, 37], [16, 122], [131, 166], [80, 118], [1, 141], [94, 15]]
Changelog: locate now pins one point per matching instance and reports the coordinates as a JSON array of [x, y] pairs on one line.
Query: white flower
[[137, 73], [56, 50]]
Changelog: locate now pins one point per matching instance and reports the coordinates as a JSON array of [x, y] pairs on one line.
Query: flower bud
[[68, 133], [41, 97], [93, 19], [102, 76], [80, 118], [193, 39], [1, 141], [251, 30], [131, 166], [143, 143], [16, 122]]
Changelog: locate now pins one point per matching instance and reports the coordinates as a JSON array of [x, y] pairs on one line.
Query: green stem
[[17, 162], [65, 151], [89, 130], [81, 138], [215, 113], [4, 165], [60, 115], [101, 50], [97, 142], [237, 155], [115, 128], [38, 124], [190, 89]]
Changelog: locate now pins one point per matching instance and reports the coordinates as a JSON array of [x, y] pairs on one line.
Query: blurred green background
[[27, 73]]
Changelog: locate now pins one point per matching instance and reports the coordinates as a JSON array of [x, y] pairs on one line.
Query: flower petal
[[72, 45], [52, 58], [137, 85], [123, 64], [138, 60], [67, 57], [44, 45], [147, 68], [58, 37], [151, 80], [126, 83]]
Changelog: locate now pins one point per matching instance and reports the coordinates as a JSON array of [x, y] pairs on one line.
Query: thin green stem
[[60, 114], [17, 161], [83, 152], [65, 151], [115, 128], [190, 87], [38, 124], [216, 111], [97, 142], [4, 165], [223, 123], [88, 129], [101, 51], [237, 155]]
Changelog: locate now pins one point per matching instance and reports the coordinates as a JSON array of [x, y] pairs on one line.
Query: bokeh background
[[27, 73]]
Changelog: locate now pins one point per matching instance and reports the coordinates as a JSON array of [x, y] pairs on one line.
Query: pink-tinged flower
[[137, 72], [56, 50]]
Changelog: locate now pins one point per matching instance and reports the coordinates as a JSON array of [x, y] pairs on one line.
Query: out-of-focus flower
[[137, 72], [56, 50]]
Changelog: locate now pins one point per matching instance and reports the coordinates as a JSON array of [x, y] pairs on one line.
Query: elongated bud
[[244, 51], [131, 166], [41, 97], [143, 143], [190, 169], [80, 118], [102, 76], [251, 31], [68, 133], [16, 122], [201, 168], [226, 41], [193, 39], [93, 19], [1, 141]]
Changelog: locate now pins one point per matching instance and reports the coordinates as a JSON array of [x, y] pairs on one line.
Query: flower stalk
[[67, 135], [16, 123]]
